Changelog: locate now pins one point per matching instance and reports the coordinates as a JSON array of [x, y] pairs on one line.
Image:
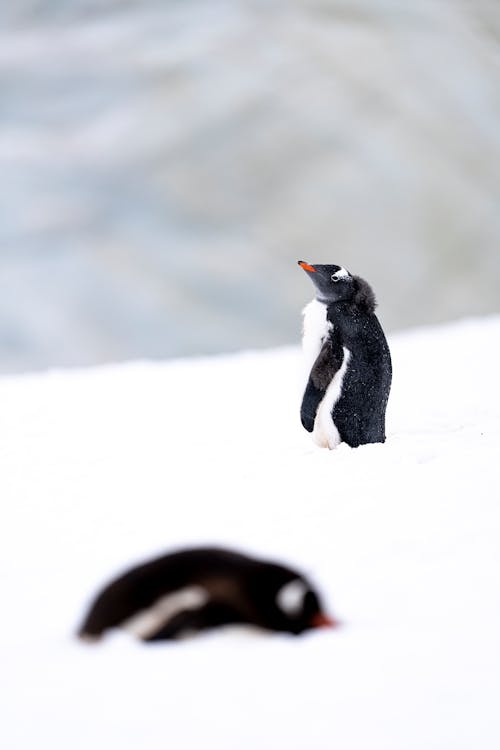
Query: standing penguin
[[201, 588], [348, 361]]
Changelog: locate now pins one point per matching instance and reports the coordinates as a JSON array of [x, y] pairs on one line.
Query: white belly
[[148, 621], [325, 434], [315, 330]]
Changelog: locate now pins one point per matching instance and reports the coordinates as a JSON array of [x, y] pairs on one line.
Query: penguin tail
[[96, 622], [88, 637], [90, 631]]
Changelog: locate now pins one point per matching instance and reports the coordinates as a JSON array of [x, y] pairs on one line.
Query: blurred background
[[165, 163]]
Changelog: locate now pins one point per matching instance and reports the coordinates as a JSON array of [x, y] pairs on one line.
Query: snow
[[105, 467]]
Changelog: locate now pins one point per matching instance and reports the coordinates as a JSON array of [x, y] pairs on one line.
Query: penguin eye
[[290, 598], [335, 277]]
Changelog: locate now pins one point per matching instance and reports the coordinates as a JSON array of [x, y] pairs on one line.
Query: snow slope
[[104, 467]]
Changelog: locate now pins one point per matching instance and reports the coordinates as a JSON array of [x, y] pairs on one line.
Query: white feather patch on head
[[341, 273], [290, 597]]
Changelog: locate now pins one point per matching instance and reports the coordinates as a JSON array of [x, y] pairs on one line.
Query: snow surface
[[105, 467]]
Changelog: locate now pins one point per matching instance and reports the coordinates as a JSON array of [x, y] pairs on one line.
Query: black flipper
[[328, 362], [310, 402], [209, 616]]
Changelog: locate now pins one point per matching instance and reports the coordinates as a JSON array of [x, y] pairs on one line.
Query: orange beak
[[306, 266], [323, 621]]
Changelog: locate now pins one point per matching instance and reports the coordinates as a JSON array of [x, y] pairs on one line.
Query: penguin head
[[291, 604], [336, 284]]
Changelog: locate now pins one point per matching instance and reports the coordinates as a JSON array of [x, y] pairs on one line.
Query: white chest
[[314, 331]]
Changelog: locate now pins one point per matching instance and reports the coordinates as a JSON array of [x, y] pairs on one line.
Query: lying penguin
[[196, 589], [347, 358]]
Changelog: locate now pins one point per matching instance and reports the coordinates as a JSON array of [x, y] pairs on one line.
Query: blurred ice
[[164, 164]]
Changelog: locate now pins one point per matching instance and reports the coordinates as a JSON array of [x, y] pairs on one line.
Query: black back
[[359, 414]]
